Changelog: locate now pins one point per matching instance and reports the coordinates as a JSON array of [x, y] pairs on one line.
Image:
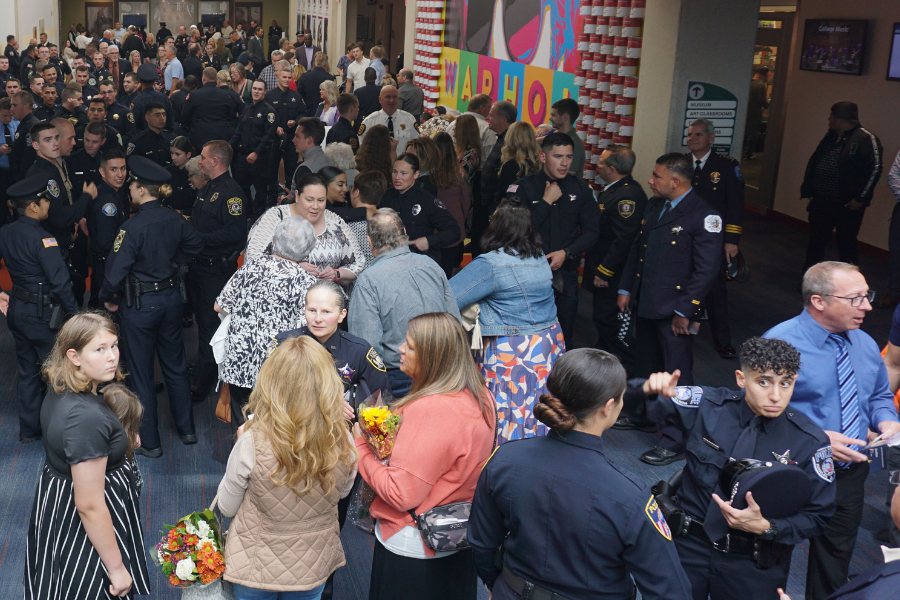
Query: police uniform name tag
[[823, 464], [626, 208], [53, 188], [656, 517], [109, 209], [235, 206], [713, 223], [375, 359], [688, 396], [118, 243], [50, 242]]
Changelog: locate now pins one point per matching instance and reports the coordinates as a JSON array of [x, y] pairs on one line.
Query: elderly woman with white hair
[[327, 109], [264, 297], [342, 156]]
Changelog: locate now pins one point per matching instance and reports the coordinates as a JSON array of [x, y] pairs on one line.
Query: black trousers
[[6, 180], [829, 553], [658, 349], [98, 267], [716, 304], [451, 259], [155, 331], [343, 506], [606, 320], [894, 249], [567, 304], [825, 217], [721, 576], [288, 154], [257, 175], [240, 396], [34, 340], [204, 286], [396, 577]]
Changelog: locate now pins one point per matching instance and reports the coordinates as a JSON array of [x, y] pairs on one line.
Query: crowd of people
[[347, 278]]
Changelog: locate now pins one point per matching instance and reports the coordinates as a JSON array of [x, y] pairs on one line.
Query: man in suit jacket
[[306, 52], [622, 204], [672, 265], [192, 65], [310, 82], [118, 66], [255, 49], [718, 180]]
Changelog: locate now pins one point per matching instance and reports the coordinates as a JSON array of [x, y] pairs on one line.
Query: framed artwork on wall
[[99, 16], [244, 12]]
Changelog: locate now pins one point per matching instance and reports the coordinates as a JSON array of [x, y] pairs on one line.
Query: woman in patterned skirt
[[512, 285], [84, 538]]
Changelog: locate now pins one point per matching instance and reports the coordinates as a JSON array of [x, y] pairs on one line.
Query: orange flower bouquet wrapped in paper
[[379, 426]]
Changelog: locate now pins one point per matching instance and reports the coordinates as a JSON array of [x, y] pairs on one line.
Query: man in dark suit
[[672, 266], [192, 64], [368, 95], [210, 112], [305, 51], [310, 82], [255, 49], [119, 66], [622, 204]]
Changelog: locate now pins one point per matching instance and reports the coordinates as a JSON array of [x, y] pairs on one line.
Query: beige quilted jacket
[[281, 541]]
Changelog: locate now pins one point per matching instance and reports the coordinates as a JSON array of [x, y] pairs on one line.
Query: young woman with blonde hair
[[445, 438], [292, 463], [520, 156], [86, 505]]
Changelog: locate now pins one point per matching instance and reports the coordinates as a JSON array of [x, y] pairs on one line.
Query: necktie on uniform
[[697, 167], [715, 524], [665, 213], [390, 126], [850, 418]]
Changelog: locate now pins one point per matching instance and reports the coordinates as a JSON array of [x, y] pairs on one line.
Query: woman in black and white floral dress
[[265, 297]]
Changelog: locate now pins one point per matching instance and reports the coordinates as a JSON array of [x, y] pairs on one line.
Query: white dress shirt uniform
[[401, 122]]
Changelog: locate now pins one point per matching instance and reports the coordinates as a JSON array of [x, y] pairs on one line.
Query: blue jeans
[[248, 593], [400, 382]]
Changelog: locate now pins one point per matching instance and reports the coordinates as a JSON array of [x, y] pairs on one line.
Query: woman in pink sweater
[[445, 438]]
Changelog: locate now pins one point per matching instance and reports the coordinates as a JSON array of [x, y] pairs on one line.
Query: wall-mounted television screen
[[894, 61], [834, 46]]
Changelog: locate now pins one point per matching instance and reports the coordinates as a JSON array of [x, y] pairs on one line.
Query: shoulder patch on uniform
[[131, 116], [53, 188], [354, 143], [737, 172], [73, 120], [235, 206], [92, 82], [656, 517], [511, 189], [50, 242], [417, 127], [118, 243], [273, 344], [688, 396], [109, 209], [439, 204], [626, 208], [130, 149], [271, 117], [713, 223], [823, 464], [362, 129], [375, 359]]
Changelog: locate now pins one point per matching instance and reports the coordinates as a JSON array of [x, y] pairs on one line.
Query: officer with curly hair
[[731, 547]]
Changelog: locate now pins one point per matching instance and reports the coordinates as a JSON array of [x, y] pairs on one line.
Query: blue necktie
[[850, 418]]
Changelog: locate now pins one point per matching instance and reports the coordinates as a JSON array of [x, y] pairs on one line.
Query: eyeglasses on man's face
[[856, 301]]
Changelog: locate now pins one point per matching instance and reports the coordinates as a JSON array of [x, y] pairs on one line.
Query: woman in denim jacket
[[512, 284]]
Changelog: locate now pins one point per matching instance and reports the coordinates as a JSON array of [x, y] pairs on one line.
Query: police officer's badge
[[53, 188], [402, 125], [656, 517], [354, 143], [214, 196], [235, 206], [785, 458], [109, 209], [375, 359], [713, 224], [626, 208], [271, 117], [688, 396], [362, 129], [715, 177], [115, 116], [573, 197], [439, 204], [416, 209], [131, 116], [346, 372], [118, 243], [130, 149], [823, 464]]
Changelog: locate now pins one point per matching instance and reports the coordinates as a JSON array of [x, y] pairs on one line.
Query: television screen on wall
[[894, 60], [834, 46]]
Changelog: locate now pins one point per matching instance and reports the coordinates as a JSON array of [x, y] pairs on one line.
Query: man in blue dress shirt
[[843, 388], [8, 126]]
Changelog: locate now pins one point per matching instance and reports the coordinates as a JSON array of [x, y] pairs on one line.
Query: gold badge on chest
[[715, 177]]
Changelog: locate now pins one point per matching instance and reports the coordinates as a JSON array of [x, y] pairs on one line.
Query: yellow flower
[[375, 416]]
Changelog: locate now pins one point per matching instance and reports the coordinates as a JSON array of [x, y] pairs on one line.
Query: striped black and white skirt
[[61, 563]]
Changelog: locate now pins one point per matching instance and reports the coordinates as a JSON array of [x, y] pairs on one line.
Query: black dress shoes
[[659, 457], [149, 452], [189, 439], [727, 351], [28, 440]]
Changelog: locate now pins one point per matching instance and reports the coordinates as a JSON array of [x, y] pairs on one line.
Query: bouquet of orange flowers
[[190, 552], [379, 425]]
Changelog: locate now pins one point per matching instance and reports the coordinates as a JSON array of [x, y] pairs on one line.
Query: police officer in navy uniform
[[719, 181], [566, 216], [97, 71], [730, 553], [154, 143], [622, 203], [428, 223], [40, 281], [143, 285], [84, 165], [210, 112], [219, 217], [97, 114], [289, 108], [108, 211], [118, 116], [572, 524], [671, 267], [23, 155], [147, 73], [252, 144], [343, 131]]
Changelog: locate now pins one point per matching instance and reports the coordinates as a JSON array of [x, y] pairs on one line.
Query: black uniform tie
[[697, 167], [390, 126], [715, 524], [665, 213]]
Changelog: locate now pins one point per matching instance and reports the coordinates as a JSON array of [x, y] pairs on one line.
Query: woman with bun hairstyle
[[143, 285], [571, 522]]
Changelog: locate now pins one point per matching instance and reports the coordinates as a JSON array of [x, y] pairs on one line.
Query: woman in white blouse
[[336, 255]]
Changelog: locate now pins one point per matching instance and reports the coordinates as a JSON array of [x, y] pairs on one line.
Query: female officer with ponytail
[[142, 280], [571, 523]]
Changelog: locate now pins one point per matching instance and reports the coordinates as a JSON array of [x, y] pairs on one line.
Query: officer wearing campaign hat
[[41, 291], [144, 285], [734, 524], [147, 73]]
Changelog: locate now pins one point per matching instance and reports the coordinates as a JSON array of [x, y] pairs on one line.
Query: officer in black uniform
[[252, 145], [72, 111], [428, 223], [118, 116], [144, 285], [218, 216], [211, 112], [672, 265], [47, 108], [183, 193], [97, 71], [622, 203], [154, 142], [23, 155], [97, 114], [84, 165], [40, 287], [566, 216], [571, 523], [289, 108], [730, 553], [82, 78], [108, 211], [147, 73], [344, 131], [718, 180]]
